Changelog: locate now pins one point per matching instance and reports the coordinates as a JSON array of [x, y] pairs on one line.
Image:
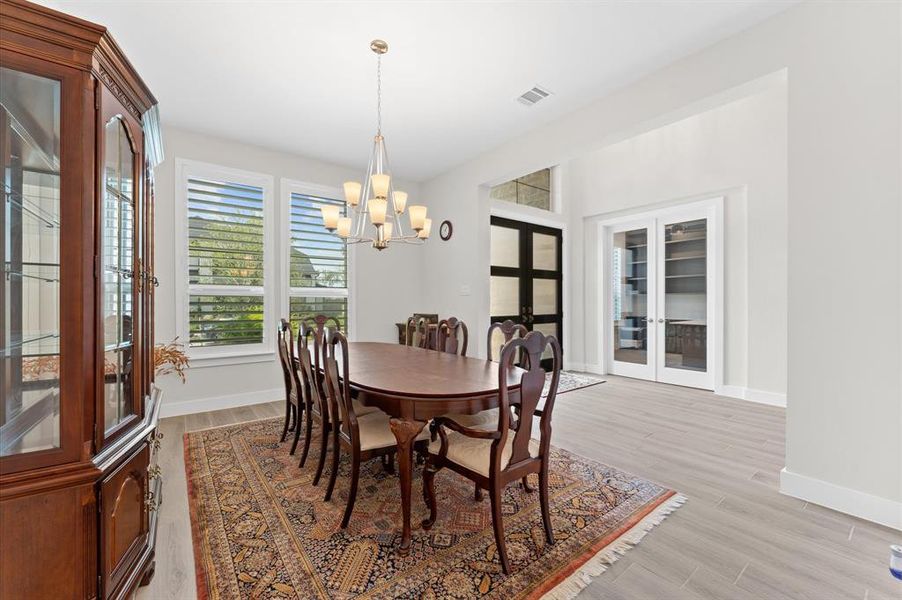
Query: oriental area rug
[[262, 530]]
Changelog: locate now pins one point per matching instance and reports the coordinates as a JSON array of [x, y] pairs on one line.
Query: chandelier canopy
[[375, 202]]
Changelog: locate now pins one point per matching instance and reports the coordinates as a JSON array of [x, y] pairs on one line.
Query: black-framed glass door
[[527, 277]]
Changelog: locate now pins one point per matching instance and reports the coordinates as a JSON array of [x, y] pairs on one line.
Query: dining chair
[[364, 436], [451, 336], [294, 402], [417, 332], [309, 365], [508, 329], [493, 458], [488, 418]]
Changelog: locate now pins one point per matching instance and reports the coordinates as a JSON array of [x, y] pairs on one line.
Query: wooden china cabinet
[[79, 489]]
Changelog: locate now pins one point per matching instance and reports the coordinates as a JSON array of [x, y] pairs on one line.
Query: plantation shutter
[[318, 262], [225, 263]]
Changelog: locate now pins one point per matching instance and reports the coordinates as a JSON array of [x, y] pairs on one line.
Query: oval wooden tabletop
[[414, 372]]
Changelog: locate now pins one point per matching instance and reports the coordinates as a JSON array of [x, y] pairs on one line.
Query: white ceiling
[[299, 76]]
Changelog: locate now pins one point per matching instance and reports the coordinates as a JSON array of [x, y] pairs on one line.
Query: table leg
[[406, 432]]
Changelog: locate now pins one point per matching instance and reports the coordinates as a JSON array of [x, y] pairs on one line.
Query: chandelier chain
[[379, 94]]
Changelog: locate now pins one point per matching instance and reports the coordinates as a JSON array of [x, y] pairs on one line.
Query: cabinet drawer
[[123, 519]]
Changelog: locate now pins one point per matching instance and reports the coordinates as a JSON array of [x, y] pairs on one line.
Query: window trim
[[222, 355], [288, 187]]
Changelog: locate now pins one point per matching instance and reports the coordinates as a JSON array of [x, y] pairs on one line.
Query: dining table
[[413, 385]]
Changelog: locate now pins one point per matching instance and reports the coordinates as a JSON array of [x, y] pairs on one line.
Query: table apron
[[423, 409]]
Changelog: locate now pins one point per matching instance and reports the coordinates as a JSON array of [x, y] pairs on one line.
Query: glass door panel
[[505, 247], [629, 295], [685, 295], [30, 223], [505, 296], [544, 252], [118, 240]]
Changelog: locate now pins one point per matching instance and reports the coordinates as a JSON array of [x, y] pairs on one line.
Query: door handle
[[660, 320]]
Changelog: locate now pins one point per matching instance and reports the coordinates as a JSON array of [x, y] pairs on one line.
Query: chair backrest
[[417, 332], [337, 389], [317, 326], [508, 328], [452, 336], [532, 382], [284, 341], [305, 357]]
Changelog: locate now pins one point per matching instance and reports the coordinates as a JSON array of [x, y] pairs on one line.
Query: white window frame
[[239, 353], [292, 186]]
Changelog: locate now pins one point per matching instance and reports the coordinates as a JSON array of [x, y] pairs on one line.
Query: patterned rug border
[[607, 551], [566, 585]]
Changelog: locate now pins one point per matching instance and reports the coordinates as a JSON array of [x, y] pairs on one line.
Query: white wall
[[738, 151], [844, 416], [385, 288]]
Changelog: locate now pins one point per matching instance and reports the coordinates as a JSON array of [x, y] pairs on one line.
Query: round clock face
[[445, 230]]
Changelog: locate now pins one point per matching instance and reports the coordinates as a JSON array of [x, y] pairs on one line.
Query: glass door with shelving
[[683, 301], [660, 297], [631, 259], [30, 221], [119, 277]]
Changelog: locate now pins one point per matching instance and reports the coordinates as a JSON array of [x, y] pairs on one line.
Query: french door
[[662, 296], [526, 277]]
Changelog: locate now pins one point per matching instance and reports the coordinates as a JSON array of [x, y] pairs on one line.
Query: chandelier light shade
[[374, 208]]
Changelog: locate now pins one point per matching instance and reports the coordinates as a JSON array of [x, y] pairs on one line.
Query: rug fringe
[[598, 564]]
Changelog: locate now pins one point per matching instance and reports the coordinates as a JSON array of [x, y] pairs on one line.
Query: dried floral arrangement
[[167, 358], [170, 358]]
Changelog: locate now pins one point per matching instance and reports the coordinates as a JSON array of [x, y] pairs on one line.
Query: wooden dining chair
[[417, 332], [487, 419], [494, 458], [452, 336], [364, 436], [294, 402], [312, 385], [508, 329]]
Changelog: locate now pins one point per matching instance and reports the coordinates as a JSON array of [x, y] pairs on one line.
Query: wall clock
[[445, 230]]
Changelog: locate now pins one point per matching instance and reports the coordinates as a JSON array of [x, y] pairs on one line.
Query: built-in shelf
[[687, 239], [698, 257], [683, 276]]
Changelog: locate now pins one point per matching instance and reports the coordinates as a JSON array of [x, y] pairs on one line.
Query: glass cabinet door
[[118, 274], [30, 220]]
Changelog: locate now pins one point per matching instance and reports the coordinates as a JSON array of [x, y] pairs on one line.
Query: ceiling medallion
[[375, 202]]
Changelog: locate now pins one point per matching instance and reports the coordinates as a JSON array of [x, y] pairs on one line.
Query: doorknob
[[660, 320], [650, 320]]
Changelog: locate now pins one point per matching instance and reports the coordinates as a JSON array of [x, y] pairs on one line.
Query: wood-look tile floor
[[736, 538]]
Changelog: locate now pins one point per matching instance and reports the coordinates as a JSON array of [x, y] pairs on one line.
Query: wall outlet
[[465, 290]]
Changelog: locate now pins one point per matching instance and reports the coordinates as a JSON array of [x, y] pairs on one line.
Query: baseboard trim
[[846, 500], [752, 395], [187, 407]]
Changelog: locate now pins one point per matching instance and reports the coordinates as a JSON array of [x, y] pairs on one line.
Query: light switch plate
[[465, 290]]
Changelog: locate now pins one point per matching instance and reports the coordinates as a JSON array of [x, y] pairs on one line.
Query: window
[[317, 259], [228, 235], [530, 190]]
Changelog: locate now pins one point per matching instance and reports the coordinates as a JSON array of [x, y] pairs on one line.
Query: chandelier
[[375, 202]]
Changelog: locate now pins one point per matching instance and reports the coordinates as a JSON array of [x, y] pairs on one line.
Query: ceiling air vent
[[532, 96]]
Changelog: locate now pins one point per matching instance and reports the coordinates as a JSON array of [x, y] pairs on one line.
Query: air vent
[[532, 96]]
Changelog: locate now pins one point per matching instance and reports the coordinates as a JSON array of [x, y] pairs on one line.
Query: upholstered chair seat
[[476, 454], [375, 431]]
